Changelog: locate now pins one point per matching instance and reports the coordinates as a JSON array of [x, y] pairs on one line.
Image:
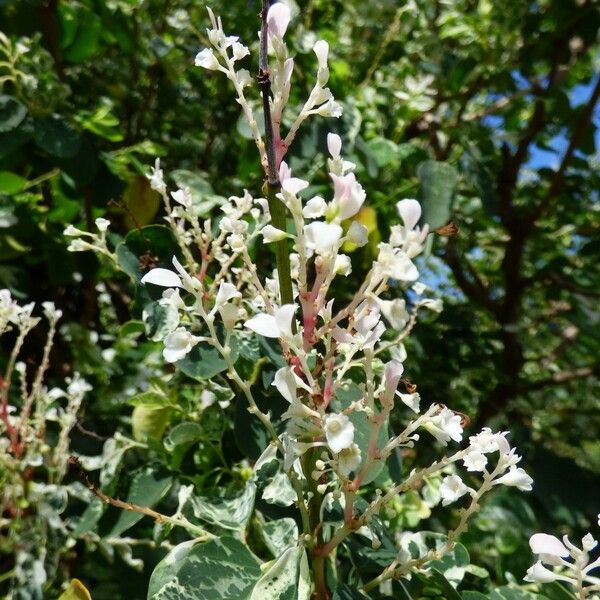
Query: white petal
[[334, 144], [285, 382], [263, 324], [293, 185], [207, 60], [542, 543], [226, 292], [278, 19], [162, 277], [321, 49], [315, 208], [540, 574], [358, 234], [410, 212], [283, 319], [272, 234], [322, 237]]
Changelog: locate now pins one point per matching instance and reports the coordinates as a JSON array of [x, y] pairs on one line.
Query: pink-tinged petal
[[409, 211], [162, 277], [393, 371], [263, 324], [283, 319]]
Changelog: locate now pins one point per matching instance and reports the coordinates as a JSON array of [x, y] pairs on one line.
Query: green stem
[[282, 251]]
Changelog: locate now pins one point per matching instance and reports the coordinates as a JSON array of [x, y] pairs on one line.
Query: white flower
[[358, 234], [348, 195], [243, 77], [548, 546], [178, 344], [331, 108], [538, 573], [434, 305], [342, 265], [183, 197], [287, 384], [395, 264], [315, 208], [348, 460], [409, 211], [102, 224], [452, 489], [321, 49], [392, 372], [322, 238], [207, 60], [72, 231], [445, 426], [227, 291], [339, 432], [277, 325], [395, 312], [278, 19], [588, 542], [516, 477], [163, 277], [51, 312], [411, 400], [486, 441], [272, 234], [293, 185], [334, 145], [156, 178], [239, 51], [475, 461]]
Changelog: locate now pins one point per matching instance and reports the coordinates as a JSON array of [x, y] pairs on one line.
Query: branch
[[273, 185], [472, 286], [558, 180]]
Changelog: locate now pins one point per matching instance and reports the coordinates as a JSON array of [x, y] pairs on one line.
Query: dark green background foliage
[[486, 111]]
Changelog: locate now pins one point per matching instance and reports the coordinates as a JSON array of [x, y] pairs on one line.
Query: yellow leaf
[[75, 591]]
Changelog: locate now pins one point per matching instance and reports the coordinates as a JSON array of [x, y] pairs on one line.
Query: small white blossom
[[334, 145], [348, 460], [395, 312], [358, 234], [452, 489], [287, 384], [339, 432], [178, 344], [316, 207], [411, 400], [409, 211], [516, 477], [102, 224], [445, 426], [207, 60], [183, 197], [322, 238], [272, 234], [162, 277], [277, 325]]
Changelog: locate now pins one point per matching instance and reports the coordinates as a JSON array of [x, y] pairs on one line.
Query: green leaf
[[149, 423], [280, 580], [142, 249], [279, 491], [438, 182], [222, 569], [11, 183], [448, 590], [203, 197], [344, 396], [474, 596], [512, 593], [147, 488], [75, 591], [159, 320], [228, 513], [151, 399], [12, 113], [384, 151], [556, 591], [56, 137], [280, 534], [204, 361]]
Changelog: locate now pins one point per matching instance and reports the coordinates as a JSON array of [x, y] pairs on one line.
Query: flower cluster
[[564, 561]]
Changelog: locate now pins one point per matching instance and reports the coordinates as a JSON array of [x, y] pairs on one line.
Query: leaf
[[280, 534], [12, 113], [556, 591], [151, 399], [222, 569], [204, 361], [180, 439], [438, 182], [203, 197], [384, 151], [159, 320], [11, 183], [512, 593], [142, 202], [56, 137], [474, 596], [228, 513], [75, 591], [344, 396], [149, 423], [281, 579], [449, 592], [147, 488], [279, 491], [154, 242]]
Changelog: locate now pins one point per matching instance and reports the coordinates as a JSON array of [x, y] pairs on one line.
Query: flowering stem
[[273, 185]]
